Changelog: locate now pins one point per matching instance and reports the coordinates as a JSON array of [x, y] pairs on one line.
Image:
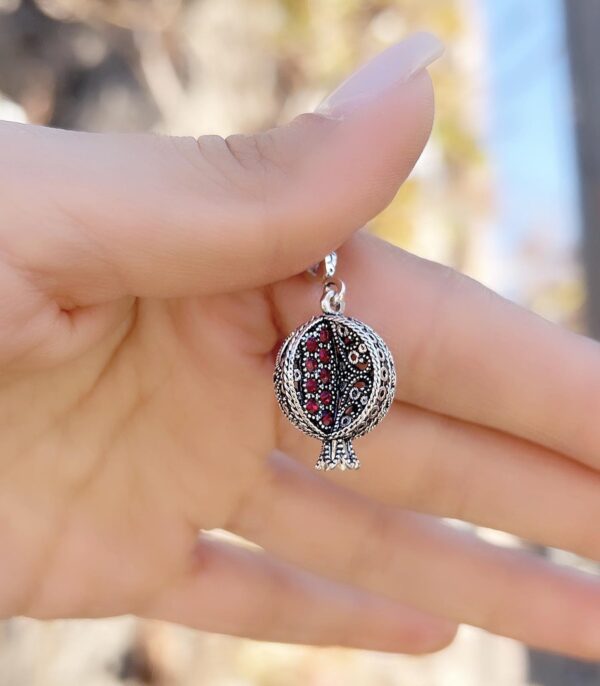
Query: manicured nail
[[391, 68]]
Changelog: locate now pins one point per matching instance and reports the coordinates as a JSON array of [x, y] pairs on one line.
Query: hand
[[145, 284]]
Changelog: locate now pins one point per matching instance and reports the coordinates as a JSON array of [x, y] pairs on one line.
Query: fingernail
[[392, 67]]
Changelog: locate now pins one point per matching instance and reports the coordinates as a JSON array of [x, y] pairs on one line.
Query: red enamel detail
[[312, 385], [311, 364], [325, 375], [326, 397], [312, 406], [324, 355], [312, 344], [324, 335], [327, 418]]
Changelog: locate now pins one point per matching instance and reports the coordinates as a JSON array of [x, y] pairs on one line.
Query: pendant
[[334, 377]]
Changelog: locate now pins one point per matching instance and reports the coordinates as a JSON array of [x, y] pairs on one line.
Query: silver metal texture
[[335, 380], [333, 299], [326, 267]]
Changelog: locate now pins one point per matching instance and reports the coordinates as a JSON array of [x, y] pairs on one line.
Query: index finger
[[105, 213]]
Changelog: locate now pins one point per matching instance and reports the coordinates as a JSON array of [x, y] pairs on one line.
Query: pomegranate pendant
[[334, 377]]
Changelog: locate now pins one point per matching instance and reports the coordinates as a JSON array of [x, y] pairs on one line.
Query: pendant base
[[337, 453]]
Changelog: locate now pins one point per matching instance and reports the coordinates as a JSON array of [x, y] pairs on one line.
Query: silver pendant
[[334, 377]]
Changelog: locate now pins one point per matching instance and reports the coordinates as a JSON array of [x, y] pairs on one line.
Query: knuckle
[[220, 166], [251, 511], [248, 168], [244, 150], [420, 454], [435, 482], [220, 162], [260, 154], [448, 284], [447, 484], [425, 361]]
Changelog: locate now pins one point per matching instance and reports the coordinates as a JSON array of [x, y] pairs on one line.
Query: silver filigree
[[335, 379]]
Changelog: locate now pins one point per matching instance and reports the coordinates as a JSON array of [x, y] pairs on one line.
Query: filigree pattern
[[335, 380]]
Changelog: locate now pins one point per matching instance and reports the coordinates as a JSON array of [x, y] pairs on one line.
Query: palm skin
[[128, 449], [160, 428]]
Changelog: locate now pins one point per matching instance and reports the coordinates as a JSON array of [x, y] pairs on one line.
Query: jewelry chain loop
[[334, 289], [333, 301]]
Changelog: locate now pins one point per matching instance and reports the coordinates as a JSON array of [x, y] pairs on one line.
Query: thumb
[[113, 215]]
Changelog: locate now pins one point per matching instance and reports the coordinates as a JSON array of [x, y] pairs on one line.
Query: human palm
[[145, 284], [122, 453]]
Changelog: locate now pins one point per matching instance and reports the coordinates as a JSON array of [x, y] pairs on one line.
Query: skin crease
[[145, 284]]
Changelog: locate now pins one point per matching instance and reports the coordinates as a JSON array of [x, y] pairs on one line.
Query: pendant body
[[335, 380]]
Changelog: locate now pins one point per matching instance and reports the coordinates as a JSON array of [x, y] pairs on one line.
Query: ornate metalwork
[[335, 380]]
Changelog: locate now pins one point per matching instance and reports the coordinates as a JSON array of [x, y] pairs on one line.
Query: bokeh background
[[501, 193]]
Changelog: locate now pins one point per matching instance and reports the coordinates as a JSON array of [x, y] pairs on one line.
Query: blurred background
[[505, 192]]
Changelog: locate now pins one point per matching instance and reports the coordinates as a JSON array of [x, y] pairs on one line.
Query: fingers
[[139, 215], [442, 466], [412, 559], [463, 351], [237, 591]]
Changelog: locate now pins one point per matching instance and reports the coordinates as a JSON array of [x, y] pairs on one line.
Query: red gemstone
[[325, 375], [324, 335], [327, 418], [312, 385], [312, 344], [324, 354], [312, 406], [311, 364], [326, 397]]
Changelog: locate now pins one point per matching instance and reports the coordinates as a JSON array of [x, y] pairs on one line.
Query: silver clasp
[[334, 290], [325, 268], [330, 265], [332, 301]]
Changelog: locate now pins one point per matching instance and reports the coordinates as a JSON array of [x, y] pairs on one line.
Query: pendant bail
[[333, 299], [330, 263], [334, 289], [326, 268]]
